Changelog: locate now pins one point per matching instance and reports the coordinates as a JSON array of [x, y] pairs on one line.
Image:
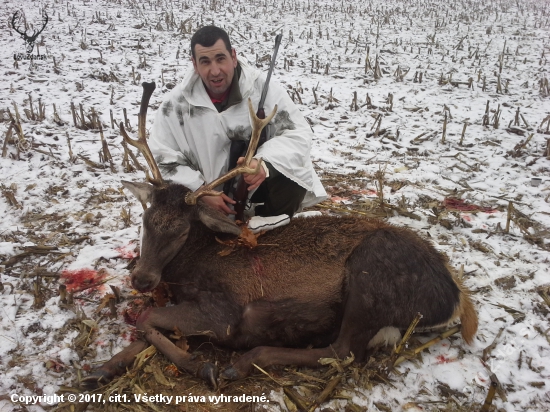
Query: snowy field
[[432, 114]]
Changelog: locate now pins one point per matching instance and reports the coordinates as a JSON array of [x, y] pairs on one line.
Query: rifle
[[241, 193]]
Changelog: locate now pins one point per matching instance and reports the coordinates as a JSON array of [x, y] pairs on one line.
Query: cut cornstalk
[[354, 102], [490, 396], [444, 128], [18, 127], [407, 335], [463, 133], [485, 120], [509, 217], [126, 121], [302, 403], [71, 156], [62, 294], [432, 342], [6, 140], [524, 121], [323, 396], [377, 71], [33, 117], [82, 118], [132, 156], [73, 111]]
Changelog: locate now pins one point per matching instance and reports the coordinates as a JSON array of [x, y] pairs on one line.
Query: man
[[200, 118]]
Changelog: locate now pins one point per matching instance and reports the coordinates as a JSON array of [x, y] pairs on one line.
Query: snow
[[61, 200]]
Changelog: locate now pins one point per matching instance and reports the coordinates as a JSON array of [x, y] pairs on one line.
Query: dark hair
[[208, 35]]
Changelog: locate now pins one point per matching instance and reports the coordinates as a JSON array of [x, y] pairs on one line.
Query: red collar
[[218, 99]]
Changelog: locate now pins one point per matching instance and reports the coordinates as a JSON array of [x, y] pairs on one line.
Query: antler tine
[[208, 190], [44, 26], [257, 126], [16, 16], [141, 142]]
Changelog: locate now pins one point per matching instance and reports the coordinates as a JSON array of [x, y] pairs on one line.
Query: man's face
[[216, 67]]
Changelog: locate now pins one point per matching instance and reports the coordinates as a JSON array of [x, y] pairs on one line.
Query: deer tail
[[467, 314]]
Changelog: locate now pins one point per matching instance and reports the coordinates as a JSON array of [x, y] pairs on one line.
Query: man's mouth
[[217, 82]]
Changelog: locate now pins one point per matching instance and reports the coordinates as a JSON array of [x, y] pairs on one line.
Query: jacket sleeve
[[171, 150], [289, 148]]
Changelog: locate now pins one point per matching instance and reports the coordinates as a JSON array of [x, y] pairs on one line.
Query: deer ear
[[216, 220], [143, 191]]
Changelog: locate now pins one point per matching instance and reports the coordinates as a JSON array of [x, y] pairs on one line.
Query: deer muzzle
[[143, 280]]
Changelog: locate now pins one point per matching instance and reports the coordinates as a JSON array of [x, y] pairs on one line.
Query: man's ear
[[143, 191], [194, 64], [216, 220]]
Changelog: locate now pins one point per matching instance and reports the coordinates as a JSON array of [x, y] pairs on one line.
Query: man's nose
[[215, 69]]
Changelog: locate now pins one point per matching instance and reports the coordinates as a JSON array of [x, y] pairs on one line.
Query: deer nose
[[144, 283]]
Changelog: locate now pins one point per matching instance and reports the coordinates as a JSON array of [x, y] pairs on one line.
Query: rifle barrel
[[271, 67]]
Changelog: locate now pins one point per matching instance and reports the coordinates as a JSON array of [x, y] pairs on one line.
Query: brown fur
[[332, 282], [293, 264], [467, 314]]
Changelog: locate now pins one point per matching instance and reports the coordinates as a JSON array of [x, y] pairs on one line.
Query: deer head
[[16, 21], [174, 208]]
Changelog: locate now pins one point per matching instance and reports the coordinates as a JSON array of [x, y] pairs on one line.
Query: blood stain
[[81, 279], [443, 359], [128, 251]]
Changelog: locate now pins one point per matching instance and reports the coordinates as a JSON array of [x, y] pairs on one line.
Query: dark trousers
[[279, 195]]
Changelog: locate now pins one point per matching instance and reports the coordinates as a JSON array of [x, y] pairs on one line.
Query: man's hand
[[252, 180], [220, 203]]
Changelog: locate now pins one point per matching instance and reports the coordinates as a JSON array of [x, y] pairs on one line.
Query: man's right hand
[[220, 203]]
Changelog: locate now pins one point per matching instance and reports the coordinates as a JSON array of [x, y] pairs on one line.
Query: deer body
[[322, 281]]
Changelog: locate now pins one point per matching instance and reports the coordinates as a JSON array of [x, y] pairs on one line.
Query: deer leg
[[190, 319], [264, 356], [159, 317], [350, 339], [116, 366]]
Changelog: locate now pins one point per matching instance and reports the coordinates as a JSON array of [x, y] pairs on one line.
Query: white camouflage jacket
[[190, 140]]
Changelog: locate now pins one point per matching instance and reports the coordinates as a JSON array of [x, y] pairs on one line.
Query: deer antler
[[141, 142], [17, 16], [257, 126], [29, 39], [45, 15]]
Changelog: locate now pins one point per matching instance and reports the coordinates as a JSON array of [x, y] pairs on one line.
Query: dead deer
[[330, 282]]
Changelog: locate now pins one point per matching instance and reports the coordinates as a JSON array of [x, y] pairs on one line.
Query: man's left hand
[[252, 180]]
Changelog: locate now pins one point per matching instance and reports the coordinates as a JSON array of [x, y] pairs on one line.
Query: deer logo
[[19, 20]]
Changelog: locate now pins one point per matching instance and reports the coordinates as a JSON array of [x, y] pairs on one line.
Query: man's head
[[213, 59]]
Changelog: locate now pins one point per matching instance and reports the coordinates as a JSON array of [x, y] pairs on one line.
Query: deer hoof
[[97, 379], [231, 374], [209, 373]]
